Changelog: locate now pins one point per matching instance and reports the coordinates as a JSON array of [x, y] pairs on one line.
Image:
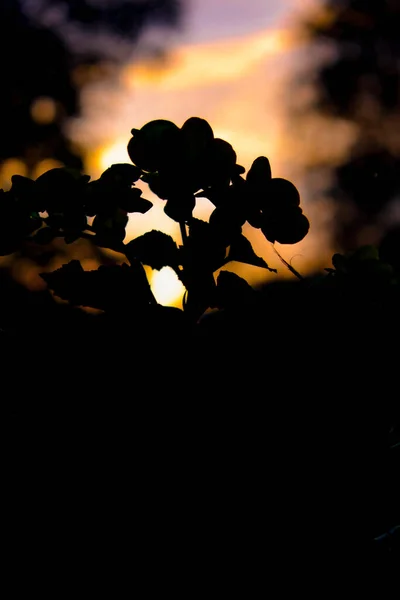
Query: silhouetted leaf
[[197, 136], [23, 189], [110, 229], [232, 290], [111, 287], [154, 144], [282, 195], [204, 251], [155, 248], [58, 189], [287, 227], [226, 223], [179, 208], [259, 174], [339, 262], [363, 260], [121, 174], [45, 235], [219, 164], [239, 170], [198, 130], [105, 195], [74, 221], [241, 250], [164, 184], [200, 293], [71, 237], [16, 223], [132, 202]]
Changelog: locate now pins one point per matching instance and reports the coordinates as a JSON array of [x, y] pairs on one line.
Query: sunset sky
[[229, 64]]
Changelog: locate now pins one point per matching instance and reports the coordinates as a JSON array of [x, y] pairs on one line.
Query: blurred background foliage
[[50, 50], [353, 107]]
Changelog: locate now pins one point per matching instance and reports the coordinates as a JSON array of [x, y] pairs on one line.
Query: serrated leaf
[[154, 248], [241, 250]]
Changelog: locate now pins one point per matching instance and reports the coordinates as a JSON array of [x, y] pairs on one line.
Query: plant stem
[[183, 231], [291, 269]]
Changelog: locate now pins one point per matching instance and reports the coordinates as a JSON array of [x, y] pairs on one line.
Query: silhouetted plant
[[179, 165], [359, 294]]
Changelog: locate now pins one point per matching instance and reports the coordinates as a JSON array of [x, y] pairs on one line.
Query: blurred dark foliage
[[114, 20], [46, 62], [361, 84], [35, 63], [40, 60]]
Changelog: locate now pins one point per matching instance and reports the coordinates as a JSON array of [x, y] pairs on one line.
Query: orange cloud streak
[[206, 64]]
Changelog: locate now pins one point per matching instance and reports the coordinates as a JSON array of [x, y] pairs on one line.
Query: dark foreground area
[[257, 448]]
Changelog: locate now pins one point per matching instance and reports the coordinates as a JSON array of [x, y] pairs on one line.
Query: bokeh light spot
[[10, 167], [45, 165], [44, 110]]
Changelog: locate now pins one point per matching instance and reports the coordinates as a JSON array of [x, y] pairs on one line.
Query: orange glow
[[45, 165], [240, 86], [10, 167], [216, 62]]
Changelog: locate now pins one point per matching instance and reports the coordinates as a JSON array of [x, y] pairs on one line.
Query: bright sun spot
[[110, 155], [166, 287]]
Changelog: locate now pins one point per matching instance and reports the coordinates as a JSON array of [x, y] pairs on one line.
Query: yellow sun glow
[[166, 287], [116, 152]]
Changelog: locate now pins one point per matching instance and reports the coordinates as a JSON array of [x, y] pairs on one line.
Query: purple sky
[[217, 19]]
